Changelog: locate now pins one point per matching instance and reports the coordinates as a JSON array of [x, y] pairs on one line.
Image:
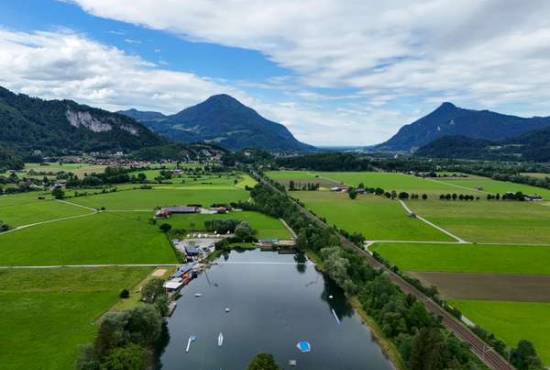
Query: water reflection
[[301, 261]]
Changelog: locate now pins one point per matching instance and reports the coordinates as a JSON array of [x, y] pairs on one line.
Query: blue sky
[[335, 72]]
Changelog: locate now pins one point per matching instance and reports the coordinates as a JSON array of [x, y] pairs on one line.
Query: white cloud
[[493, 52], [64, 65]]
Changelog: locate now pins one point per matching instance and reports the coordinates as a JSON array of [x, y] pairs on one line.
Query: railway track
[[485, 353]]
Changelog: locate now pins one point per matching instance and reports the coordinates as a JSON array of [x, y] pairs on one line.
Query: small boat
[[220, 340], [192, 338], [198, 295], [303, 346], [227, 309]]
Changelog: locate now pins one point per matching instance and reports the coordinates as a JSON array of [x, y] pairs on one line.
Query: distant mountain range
[[222, 120], [530, 146], [449, 120], [62, 126]]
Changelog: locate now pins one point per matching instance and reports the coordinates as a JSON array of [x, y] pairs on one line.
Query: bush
[[165, 228], [125, 294]]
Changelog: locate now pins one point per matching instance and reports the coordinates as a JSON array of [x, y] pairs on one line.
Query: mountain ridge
[[450, 120], [223, 120]]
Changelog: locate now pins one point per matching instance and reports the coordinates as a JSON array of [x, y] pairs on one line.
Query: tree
[[58, 193], [131, 357], [141, 177], [263, 361], [4, 226], [403, 195], [291, 185], [428, 350], [524, 356], [165, 227], [152, 289], [244, 231], [111, 333], [424, 196], [124, 294], [145, 325], [352, 193]]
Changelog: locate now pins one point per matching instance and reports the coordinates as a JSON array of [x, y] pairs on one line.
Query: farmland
[[79, 169], [489, 221], [267, 227], [474, 258], [492, 186], [98, 238], [375, 217], [512, 321], [47, 314], [162, 196]]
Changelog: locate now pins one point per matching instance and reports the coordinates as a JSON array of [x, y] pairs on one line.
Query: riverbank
[[388, 348]]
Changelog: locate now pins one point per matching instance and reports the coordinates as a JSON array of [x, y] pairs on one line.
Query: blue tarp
[[303, 346]]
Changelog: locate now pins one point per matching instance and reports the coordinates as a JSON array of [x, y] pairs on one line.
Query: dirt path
[[460, 240]]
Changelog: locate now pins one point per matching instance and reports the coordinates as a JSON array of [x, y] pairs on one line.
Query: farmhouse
[[179, 210], [533, 197]]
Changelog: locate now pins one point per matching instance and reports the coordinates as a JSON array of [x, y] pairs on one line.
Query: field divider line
[[18, 228], [77, 205], [92, 266], [458, 186], [460, 240]]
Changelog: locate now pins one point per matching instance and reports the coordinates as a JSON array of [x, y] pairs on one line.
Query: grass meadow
[[46, 315], [79, 169], [267, 227], [492, 186], [512, 321], [103, 238], [162, 196], [30, 211], [377, 218], [474, 258], [489, 221]]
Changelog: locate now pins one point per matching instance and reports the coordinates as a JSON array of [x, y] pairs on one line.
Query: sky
[[335, 72]]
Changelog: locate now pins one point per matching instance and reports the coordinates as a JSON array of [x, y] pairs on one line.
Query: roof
[[191, 250], [171, 284], [180, 209]]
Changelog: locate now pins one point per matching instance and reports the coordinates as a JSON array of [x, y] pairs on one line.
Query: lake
[[274, 303]]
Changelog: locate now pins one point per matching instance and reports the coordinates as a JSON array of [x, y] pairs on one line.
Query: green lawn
[[492, 186], [377, 218], [96, 239], [467, 258], [267, 227], [79, 169], [162, 196], [293, 175], [489, 221], [29, 211], [46, 315], [512, 321]]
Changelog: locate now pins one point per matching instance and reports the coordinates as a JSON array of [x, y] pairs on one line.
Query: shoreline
[[388, 348]]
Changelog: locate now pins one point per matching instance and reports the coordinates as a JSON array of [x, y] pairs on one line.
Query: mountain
[[530, 146], [223, 120], [450, 120], [64, 126]]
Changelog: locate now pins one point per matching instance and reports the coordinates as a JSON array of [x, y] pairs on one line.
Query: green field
[[377, 218], [294, 175], [492, 186], [79, 169], [162, 196], [467, 258], [489, 221], [512, 321], [267, 227], [29, 211], [46, 315], [96, 239]]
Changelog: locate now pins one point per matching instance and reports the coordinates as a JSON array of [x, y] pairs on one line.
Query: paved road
[[477, 346]]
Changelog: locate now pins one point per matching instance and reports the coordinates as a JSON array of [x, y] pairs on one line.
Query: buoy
[[227, 309]]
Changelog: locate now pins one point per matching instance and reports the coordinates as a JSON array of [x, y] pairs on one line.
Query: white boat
[[198, 295], [227, 309], [220, 340], [192, 338]]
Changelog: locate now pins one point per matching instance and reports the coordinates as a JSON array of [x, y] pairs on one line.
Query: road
[[492, 359]]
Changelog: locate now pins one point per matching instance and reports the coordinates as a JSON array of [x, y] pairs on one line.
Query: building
[[191, 251], [179, 210], [533, 197]]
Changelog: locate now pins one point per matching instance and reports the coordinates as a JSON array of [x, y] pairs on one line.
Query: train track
[[485, 353]]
